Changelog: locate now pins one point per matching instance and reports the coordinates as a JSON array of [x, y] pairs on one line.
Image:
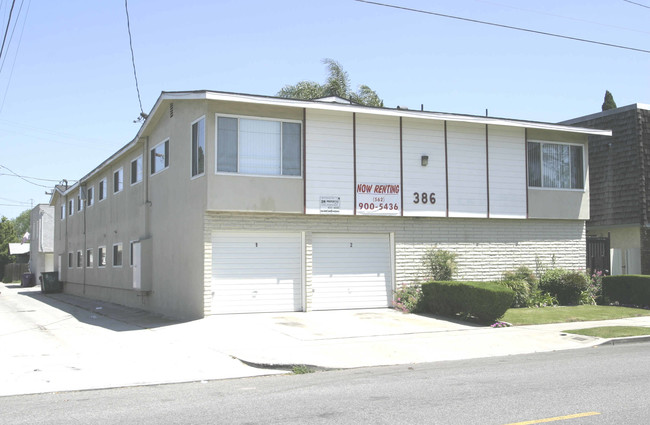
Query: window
[[160, 157], [136, 170], [102, 189], [70, 260], [71, 207], [555, 165], [198, 147], [63, 211], [80, 203], [254, 146], [117, 255], [89, 258], [90, 196], [80, 259], [131, 253], [101, 256], [118, 180]]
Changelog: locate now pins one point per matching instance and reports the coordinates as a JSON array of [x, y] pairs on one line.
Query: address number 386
[[424, 198]]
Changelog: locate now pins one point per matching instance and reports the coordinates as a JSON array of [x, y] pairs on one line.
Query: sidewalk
[[59, 342]]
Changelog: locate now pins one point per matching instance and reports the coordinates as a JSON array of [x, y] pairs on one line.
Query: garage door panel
[[351, 271], [256, 272]]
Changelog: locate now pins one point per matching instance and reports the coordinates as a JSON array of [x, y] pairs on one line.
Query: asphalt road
[[604, 385]]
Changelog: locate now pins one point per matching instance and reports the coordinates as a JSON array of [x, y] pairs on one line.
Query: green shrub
[[439, 264], [567, 286], [627, 289], [407, 298], [523, 282], [487, 301], [541, 299]]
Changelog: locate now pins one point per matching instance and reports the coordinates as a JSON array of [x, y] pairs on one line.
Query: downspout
[[84, 253]]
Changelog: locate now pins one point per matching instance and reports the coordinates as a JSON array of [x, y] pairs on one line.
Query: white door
[[137, 265], [256, 272], [351, 271]]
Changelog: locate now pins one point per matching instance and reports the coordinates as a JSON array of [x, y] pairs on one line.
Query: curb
[[625, 340]]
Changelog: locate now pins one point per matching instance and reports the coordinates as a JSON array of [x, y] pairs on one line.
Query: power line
[[476, 21], [135, 75], [32, 178], [638, 4], [24, 179], [13, 64], [13, 3]]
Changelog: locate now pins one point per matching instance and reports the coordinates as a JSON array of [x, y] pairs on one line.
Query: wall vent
[[171, 110]]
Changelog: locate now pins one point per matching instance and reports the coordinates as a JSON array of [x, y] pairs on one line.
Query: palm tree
[[337, 84]]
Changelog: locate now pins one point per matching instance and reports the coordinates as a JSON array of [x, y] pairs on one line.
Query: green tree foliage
[[439, 264], [7, 236], [608, 103], [337, 84], [21, 223]]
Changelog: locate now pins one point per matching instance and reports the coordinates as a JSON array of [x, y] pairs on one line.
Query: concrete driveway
[[59, 342]]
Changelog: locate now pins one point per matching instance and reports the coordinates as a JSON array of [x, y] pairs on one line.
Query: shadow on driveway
[[94, 312]]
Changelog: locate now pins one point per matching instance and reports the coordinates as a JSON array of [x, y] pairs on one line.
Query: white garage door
[[256, 272], [351, 271]]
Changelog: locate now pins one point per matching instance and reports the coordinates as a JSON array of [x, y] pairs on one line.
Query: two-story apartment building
[[233, 203]]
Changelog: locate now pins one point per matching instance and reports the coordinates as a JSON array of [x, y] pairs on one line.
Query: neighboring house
[[233, 203], [21, 251], [41, 248], [620, 185]]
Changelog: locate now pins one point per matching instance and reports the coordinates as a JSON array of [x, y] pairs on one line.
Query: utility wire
[[4, 39], [135, 75], [13, 64], [638, 4], [32, 178], [476, 21], [13, 30], [23, 178]]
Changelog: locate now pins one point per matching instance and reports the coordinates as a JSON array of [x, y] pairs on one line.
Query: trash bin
[[50, 283], [27, 280]]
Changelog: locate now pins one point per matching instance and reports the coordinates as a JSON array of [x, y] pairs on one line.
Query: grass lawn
[[580, 313], [612, 331]]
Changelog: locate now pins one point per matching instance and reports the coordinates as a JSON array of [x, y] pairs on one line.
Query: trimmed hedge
[[627, 289], [487, 301]]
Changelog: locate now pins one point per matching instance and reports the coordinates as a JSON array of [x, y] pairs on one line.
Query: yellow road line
[[557, 418]]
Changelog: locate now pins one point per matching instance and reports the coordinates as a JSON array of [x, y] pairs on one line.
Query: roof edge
[[606, 113]]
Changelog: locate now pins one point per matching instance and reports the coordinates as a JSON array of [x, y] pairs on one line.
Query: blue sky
[[68, 97]]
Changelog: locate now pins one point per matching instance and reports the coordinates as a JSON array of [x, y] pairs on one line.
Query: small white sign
[[379, 199], [330, 204]]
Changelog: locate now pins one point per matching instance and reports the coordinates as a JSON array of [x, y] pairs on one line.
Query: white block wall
[[485, 247]]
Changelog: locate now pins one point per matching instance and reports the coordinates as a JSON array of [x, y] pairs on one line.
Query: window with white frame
[[160, 157], [89, 258], [259, 146], [136, 170], [131, 253], [555, 165], [70, 206], [70, 260], [117, 255], [101, 256], [80, 259], [102, 189], [118, 180], [90, 196], [63, 211], [198, 147], [80, 204]]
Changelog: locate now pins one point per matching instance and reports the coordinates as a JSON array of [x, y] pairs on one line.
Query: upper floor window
[[555, 165], [80, 203], [89, 257], [117, 255], [70, 206], [118, 180], [90, 196], [198, 147], [102, 189], [160, 157], [63, 211], [70, 260], [136, 170], [255, 146], [80, 259], [101, 256]]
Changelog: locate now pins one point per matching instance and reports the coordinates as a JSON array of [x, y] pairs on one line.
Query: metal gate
[[598, 254]]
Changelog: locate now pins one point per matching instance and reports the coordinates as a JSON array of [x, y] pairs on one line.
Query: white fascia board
[[234, 97]]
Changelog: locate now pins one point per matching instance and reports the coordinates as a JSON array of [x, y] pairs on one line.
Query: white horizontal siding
[[467, 170], [329, 165], [378, 151], [424, 138], [507, 168]]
